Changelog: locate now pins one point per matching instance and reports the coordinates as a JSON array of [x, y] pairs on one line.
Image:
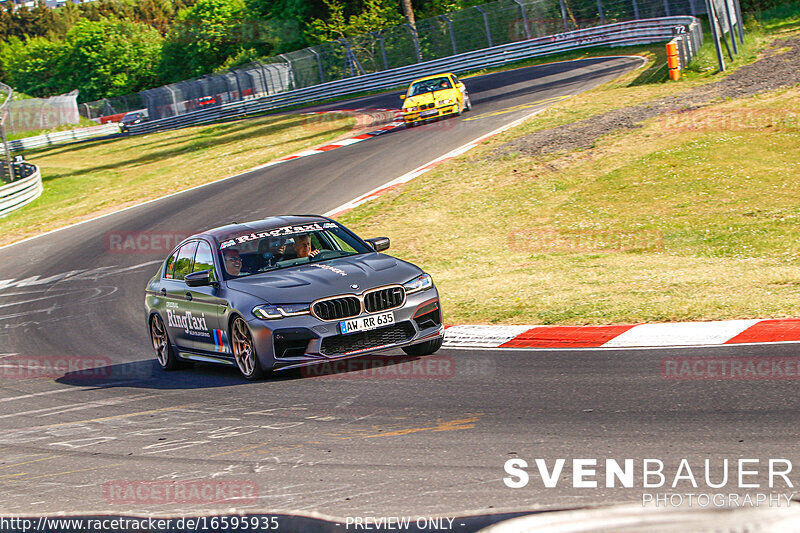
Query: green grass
[[84, 180], [692, 217]]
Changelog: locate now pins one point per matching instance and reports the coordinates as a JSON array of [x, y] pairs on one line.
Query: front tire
[[424, 348], [165, 355], [244, 350]]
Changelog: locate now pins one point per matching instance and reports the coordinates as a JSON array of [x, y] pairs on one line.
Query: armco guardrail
[[61, 137], [23, 191], [644, 31]]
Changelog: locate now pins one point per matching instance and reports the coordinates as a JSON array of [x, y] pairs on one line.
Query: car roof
[[219, 234], [433, 76]]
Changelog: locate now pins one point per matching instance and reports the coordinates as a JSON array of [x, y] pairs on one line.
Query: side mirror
[[198, 279], [379, 243], [460, 85]]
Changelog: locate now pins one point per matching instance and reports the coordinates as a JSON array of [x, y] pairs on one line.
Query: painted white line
[[681, 334]]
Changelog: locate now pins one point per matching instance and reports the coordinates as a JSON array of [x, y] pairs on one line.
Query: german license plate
[[366, 323], [429, 113]]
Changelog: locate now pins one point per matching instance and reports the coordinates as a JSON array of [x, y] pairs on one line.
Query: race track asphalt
[[419, 437]]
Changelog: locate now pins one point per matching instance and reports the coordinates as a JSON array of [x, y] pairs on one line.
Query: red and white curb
[[397, 121], [626, 336]]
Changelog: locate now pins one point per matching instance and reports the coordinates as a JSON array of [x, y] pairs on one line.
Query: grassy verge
[[88, 179], [692, 217]]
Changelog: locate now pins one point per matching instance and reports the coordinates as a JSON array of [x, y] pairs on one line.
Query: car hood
[[306, 283], [428, 98]]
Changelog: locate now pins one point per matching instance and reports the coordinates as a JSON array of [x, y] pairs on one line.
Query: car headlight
[[411, 108], [275, 312], [420, 283], [446, 102]]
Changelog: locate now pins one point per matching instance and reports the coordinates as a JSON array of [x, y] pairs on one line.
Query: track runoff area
[[384, 438]]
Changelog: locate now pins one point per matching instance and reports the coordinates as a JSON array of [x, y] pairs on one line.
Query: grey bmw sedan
[[287, 292]]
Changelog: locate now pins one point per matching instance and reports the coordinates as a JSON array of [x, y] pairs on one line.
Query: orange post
[[673, 61]]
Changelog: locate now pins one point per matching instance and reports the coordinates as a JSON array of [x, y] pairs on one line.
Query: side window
[[171, 264], [204, 259], [183, 263]]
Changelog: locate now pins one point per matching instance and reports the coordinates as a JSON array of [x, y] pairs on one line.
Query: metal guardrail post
[[666, 8], [712, 18], [738, 7], [414, 38], [452, 34], [636, 10], [564, 14], [524, 18], [382, 46], [731, 30], [3, 115], [319, 63], [486, 25], [600, 11]]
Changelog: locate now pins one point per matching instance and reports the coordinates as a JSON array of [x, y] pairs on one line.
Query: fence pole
[[731, 31], [452, 34], [564, 14], [712, 17], [740, 25], [666, 8], [524, 18], [486, 25], [413, 32], [383, 49], [600, 11], [636, 10]]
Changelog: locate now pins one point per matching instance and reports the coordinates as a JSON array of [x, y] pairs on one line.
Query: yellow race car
[[434, 96]]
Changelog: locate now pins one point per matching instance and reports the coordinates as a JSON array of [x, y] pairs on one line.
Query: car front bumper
[[304, 340]]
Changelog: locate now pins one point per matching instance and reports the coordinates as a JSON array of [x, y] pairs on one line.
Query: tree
[[203, 38], [110, 58], [32, 66], [375, 16]]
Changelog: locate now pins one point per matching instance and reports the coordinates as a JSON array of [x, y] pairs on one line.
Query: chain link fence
[[496, 23]]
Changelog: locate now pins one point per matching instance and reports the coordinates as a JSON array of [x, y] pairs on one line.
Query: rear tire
[[424, 348], [165, 355]]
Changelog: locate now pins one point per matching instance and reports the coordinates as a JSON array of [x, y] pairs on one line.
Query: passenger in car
[[233, 263]]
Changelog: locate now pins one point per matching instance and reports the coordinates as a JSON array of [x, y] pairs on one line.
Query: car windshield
[[287, 246], [426, 86]]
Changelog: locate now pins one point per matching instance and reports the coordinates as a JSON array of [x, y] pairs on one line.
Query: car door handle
[[163, 292], [189, 296]]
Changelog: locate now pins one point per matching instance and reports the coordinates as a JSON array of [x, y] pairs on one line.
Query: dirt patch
[[780, 67]]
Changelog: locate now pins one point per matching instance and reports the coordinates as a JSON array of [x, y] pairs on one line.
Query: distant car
[[205, 101], [433, 97], [287, 292], [132, 118]]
